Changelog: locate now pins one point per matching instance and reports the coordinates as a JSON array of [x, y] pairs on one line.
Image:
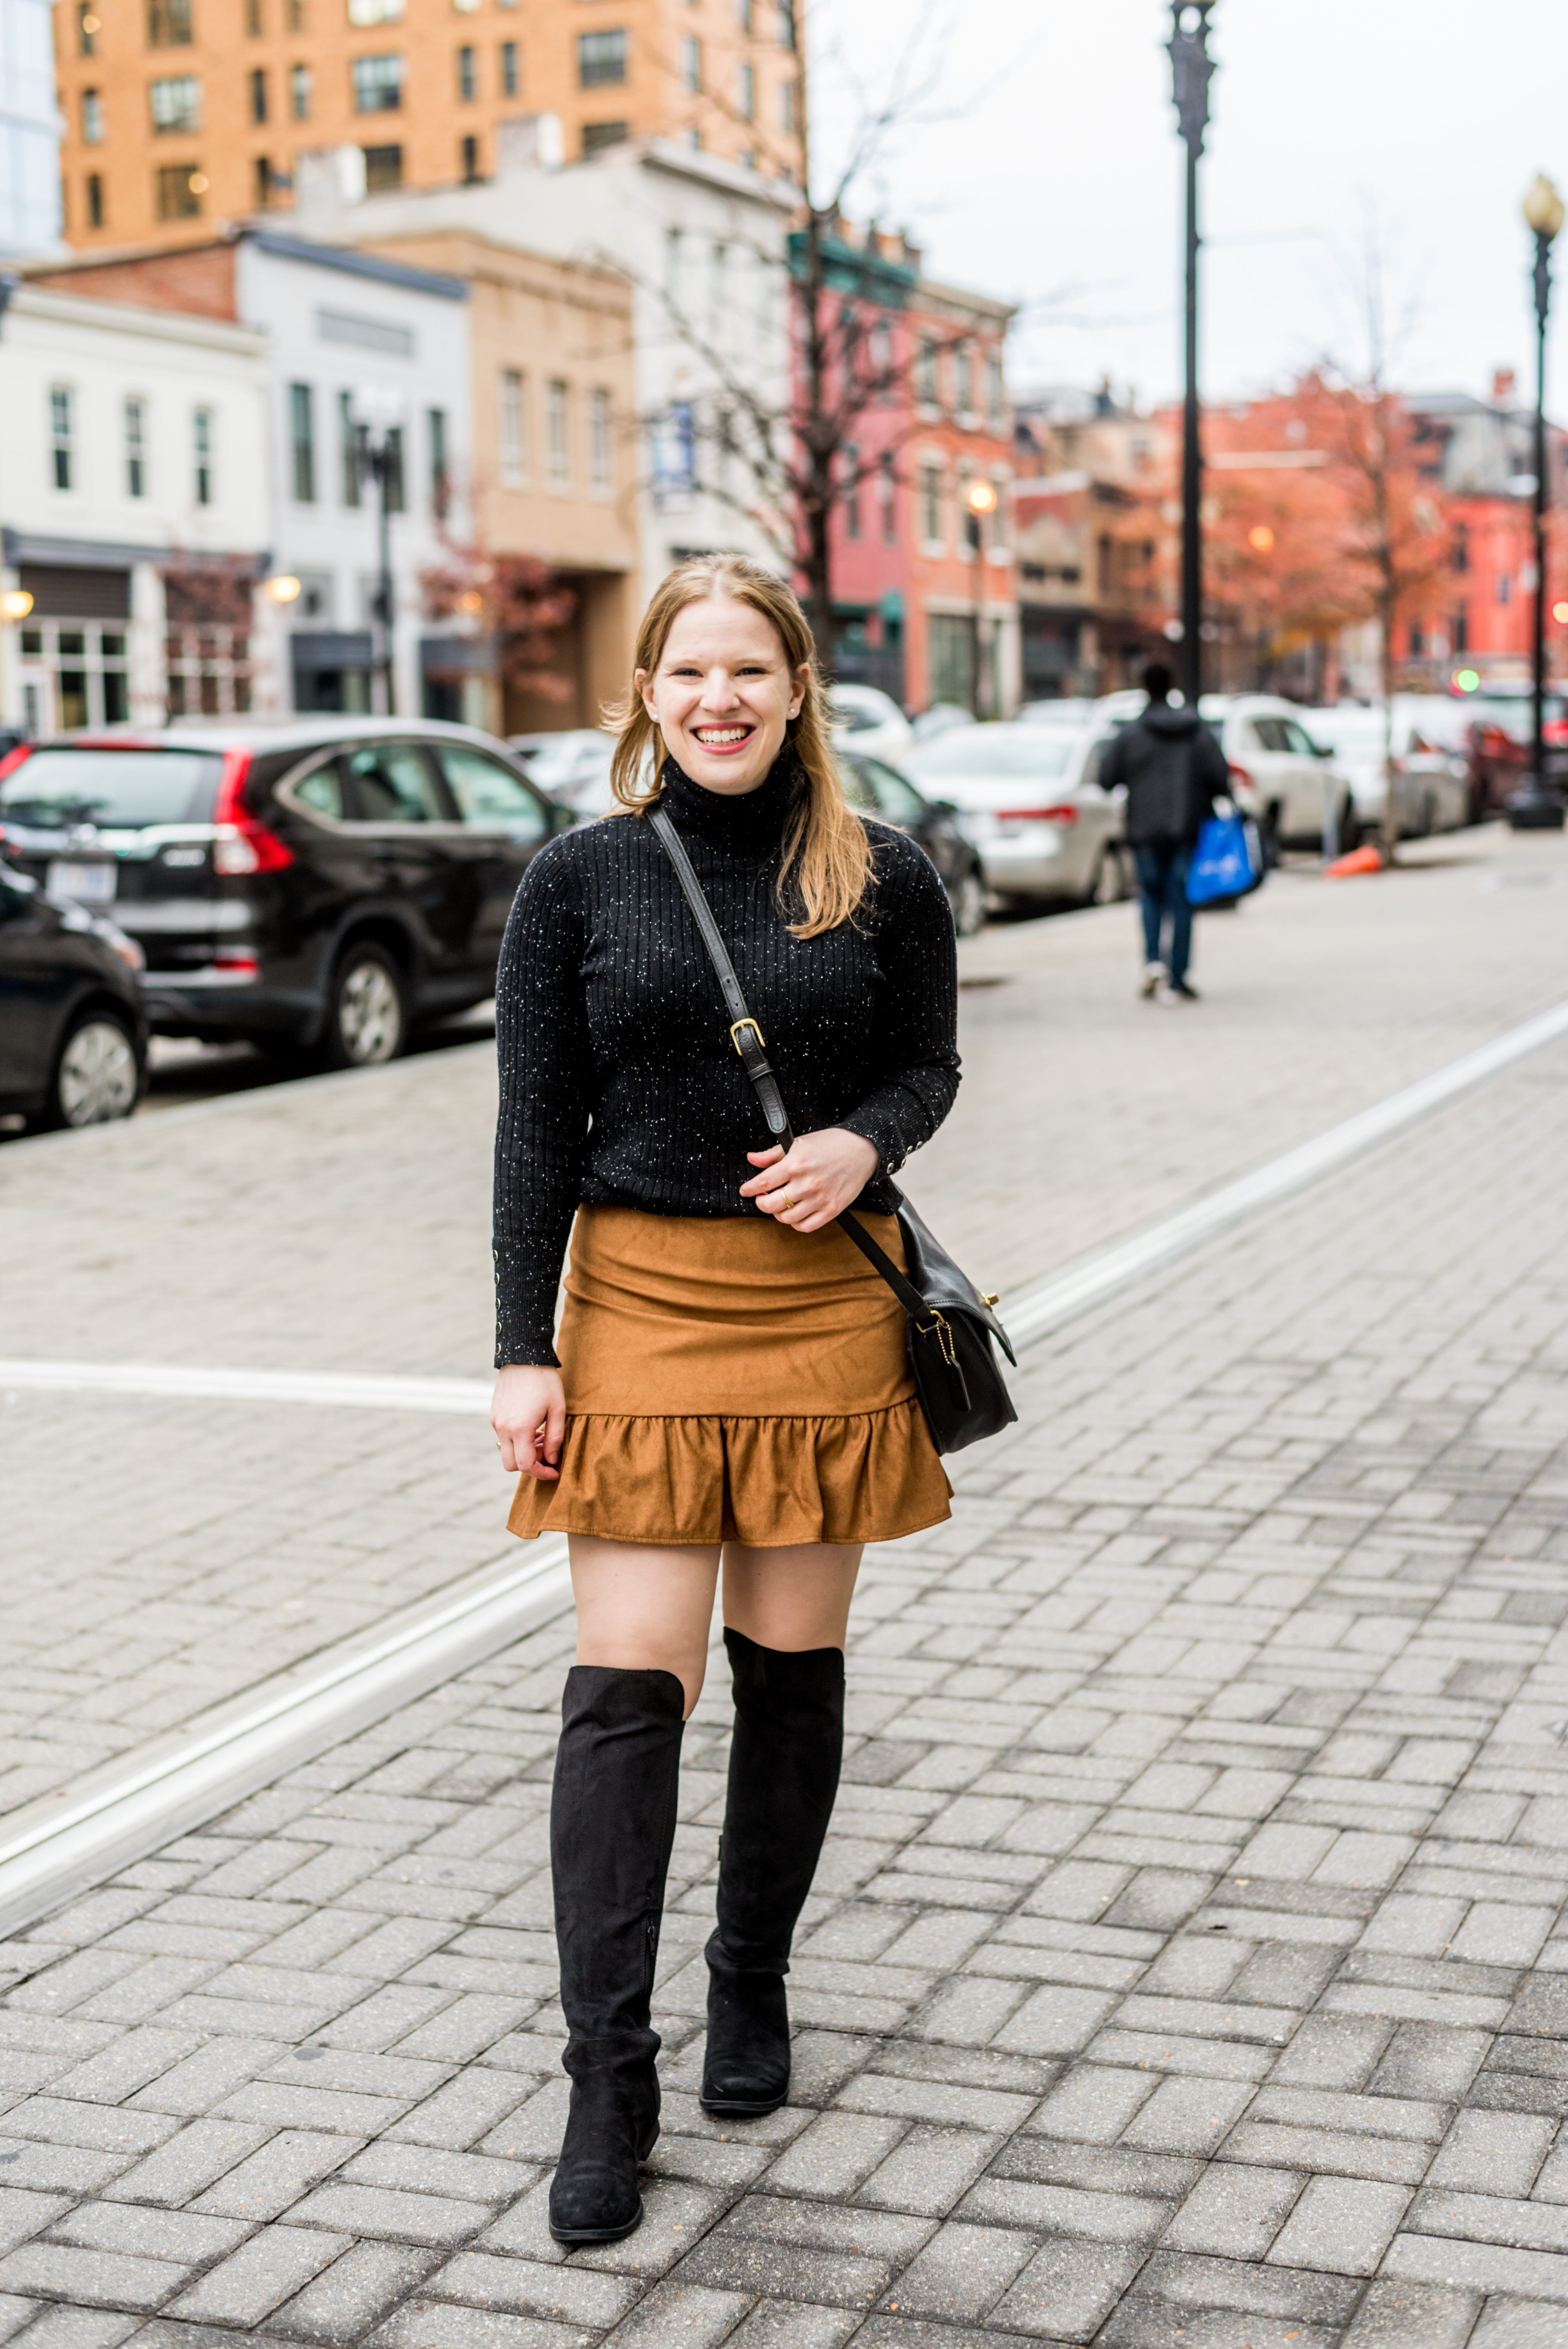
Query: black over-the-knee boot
[[611, 1824], [783, 1776]]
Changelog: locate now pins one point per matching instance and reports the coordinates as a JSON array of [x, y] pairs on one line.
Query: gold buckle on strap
[[735, 1035]]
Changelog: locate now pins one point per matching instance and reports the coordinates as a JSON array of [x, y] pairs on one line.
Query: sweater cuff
[[880, 1130]]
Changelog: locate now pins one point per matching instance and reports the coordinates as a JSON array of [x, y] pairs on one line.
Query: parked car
[[1030, 800], [317, 887], [1282, 777], [1067, 710], [885, 791], [573, 767], [940, 718], [1431, 777], [866, 718], [73, 1034], [1495, 726]]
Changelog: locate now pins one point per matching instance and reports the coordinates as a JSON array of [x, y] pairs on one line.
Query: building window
[[600, 459], [258, 94], [297, 16], [179, 189], [925, 373], [746, 92], [513, 428], [468, 159], [176, 104], [674, 451], [301, 441], [743, 15], [964, 377], [96, 215], [931, 504], [87, 29], [135, 447], [253, 25], [92, 118], [597, 136], [262, 182], [375, 12], [691, 62], [383, 168], [557, 433], [378, 84], [601, 59], [787, 37], [1460, 554], [997, 400], [1504, 588], [467, 79], [397, 477], [887, 497], [301, 92], [786, 106], [348, 451], [202, 451], [168, 25], [852, 490], [508, 69], [62, 435]]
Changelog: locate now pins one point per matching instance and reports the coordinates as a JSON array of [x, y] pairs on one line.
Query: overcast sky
[[1059, 187]]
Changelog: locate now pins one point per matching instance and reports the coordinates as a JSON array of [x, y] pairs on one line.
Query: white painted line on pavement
[[56, 1846], [1030, 1314], [1047, 1304], [51, 1848]]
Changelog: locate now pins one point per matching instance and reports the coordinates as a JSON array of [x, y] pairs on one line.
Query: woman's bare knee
[[791, 1598], [641, 1607]]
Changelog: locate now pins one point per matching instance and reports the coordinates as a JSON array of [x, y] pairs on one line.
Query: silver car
[[1431, 772], [1031, 802]]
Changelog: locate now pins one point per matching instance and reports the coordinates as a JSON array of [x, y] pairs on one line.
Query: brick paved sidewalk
[[1185, 1967]]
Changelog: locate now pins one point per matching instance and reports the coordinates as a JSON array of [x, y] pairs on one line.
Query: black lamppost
[[1192, 69], [980, 500], [1535, 806], [376, 415]]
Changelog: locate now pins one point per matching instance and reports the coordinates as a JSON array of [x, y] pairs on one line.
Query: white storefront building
[[133, 488], [340, 325], [704, 247]]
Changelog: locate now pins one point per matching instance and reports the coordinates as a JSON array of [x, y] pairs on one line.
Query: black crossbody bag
[[950, 1325]]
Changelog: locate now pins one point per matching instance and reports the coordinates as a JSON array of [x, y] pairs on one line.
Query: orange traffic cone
[[1360, 860]]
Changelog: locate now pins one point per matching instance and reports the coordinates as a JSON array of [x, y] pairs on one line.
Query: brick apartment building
[[913, 605], [183, 114]]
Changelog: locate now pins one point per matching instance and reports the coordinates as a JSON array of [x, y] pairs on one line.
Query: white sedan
[[1031, 802], [866, 718], [1431, 773]]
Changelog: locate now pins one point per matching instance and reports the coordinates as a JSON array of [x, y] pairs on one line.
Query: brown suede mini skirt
[[730, 1379]]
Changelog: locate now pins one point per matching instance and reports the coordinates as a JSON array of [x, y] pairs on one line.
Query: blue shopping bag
[[1227, 863]]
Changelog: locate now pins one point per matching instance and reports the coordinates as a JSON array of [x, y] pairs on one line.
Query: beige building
[[554, 451], [180, 115]]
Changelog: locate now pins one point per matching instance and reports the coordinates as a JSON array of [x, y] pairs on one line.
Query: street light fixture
[[980, 500], [377, 415], [1535, 806], [1192, 70]]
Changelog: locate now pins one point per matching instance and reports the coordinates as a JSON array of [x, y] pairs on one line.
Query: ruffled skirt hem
[[852, 1477]]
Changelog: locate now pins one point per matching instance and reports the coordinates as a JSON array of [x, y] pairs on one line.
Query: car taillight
[[236, 961], [1240, 776], [13, 760], [1066, 813], [242, 846]]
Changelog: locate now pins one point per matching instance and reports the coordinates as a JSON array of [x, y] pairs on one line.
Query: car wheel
[[97, 1077], [367, 1017], [968, 899]]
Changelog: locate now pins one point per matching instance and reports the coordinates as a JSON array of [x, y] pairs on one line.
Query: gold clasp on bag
[[735, 1035], [943, 1335], [993, 1298]]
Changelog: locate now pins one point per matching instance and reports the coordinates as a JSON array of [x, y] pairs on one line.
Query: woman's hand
[[816, 1181], [527, 1413]]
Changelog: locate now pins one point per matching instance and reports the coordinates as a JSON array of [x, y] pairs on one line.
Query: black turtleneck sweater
[[618, 1081]]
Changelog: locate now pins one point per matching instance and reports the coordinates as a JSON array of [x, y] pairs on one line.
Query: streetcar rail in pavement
[[51, 1848]]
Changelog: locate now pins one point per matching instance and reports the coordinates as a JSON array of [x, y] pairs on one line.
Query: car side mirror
[[942, 807]]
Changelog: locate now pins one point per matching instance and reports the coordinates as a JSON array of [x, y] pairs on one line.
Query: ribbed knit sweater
[[619, 1084]]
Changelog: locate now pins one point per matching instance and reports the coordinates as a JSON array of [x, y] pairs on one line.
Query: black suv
[[73, 1035], [317, 887]]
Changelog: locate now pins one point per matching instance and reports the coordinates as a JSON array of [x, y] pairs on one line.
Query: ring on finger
[[784, 1200]]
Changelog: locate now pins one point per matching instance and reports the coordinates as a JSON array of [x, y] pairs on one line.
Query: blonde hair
[[827, 861]]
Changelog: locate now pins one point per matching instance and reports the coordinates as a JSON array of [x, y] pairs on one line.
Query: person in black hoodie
[[1173, 769]]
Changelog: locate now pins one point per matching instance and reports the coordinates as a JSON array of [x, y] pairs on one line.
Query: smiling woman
[[731, 1386]]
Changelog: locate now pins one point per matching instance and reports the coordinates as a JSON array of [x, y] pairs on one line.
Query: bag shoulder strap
[[749, 1041]]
